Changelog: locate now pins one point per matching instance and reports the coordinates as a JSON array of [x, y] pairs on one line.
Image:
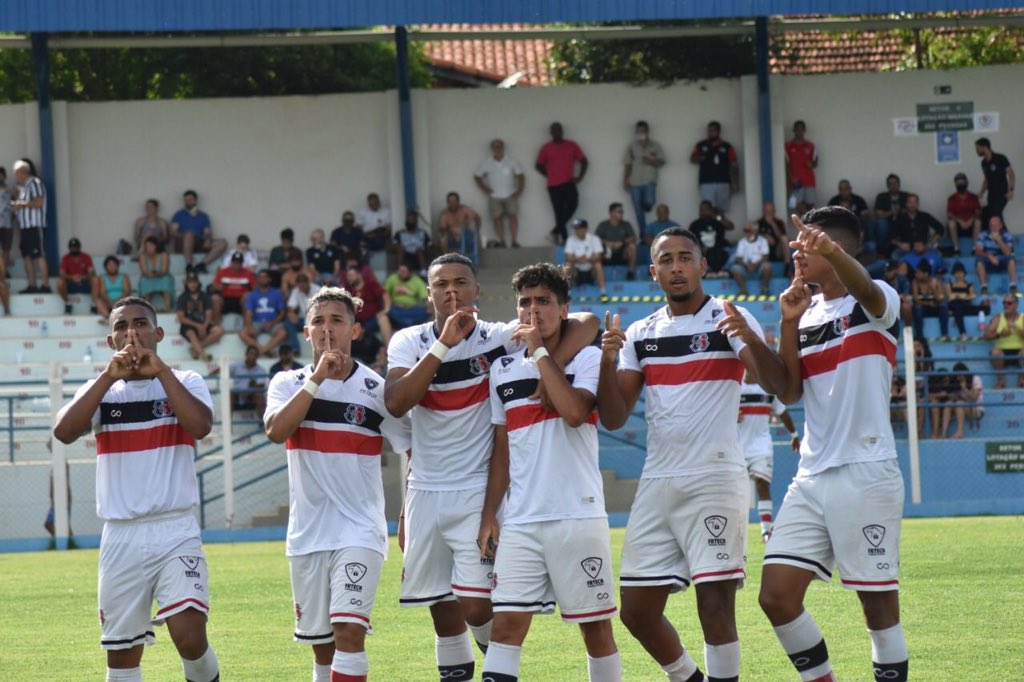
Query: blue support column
[[46, 165], [764, 109], [405, 117]]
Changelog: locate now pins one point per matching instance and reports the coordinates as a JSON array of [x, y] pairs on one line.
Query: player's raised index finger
[[797, 223], [607, 320], [617, 321], [729, 307]]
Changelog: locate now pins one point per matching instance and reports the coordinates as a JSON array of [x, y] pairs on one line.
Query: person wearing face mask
[[963, 213], [641, 162]]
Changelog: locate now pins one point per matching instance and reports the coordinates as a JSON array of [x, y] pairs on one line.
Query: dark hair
[[642, 124], [924, 266], [31, 165], [337, 295], [799, 122], [555, 278], [301, 277], [890, 176], [450, 258], [134, 300], [372, 195], [154, 202], [983, 142], [151, 240], [288, 233], [844, 181], [3, 171], [836, 219], [284, 348], [111, 258], [708, 203], [958, 267], [192, 192], [614, 205], [452, 194], [911, 195], [242, 237], [960, 367], [265, 271], [678, 232], [715, 124]]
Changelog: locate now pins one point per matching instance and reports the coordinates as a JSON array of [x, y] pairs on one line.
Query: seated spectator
[[993, 252], [348, 239], [408, 295], [248, 383], [752, 259], [251, 258], [264, 314], [195, 315], [151, 225], [156, 277], [898, 400], [710, 228], [111, 286], [960, 294], [282, 255], [854, 203], [77, 275], [230, 287], [663, 222], [375, 220], [375, 301], [193, 233], [963, 213], [913, 225], [929, 299], [774, 232], [6, 222], [460, 228], [940, 390], [919, 252], [584, 254], [285, 361], [290, 274], [322, 262], [888, 206], [898, 281], [967, 400], [618, 239], [298, 302], [412, 244], [1006, 331]]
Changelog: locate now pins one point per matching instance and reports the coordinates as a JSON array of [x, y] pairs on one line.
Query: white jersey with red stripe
[[336, 495], [756, 410], [847, 358], [145, 461], [451, 426], [553, 467], [692, 372]]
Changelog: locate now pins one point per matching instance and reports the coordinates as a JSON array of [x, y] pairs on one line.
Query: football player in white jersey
[[147, 419], [688, 523], [844, 507], [440, 372]]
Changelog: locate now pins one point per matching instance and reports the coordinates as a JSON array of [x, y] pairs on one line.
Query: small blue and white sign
[[947, 146]]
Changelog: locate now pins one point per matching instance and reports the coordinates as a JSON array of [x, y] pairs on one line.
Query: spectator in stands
[[412, 244], [888, 206], [898, 401], [619, 240], [290, 274], [251, 258], [348, 239], [285, 361], [502, 179], [111, 286], [994, 253], [1006, 331], [963, 213], [407, 293], [752, 259], [31, 208], [929, 299], [460, 228], [557, 161], [719, 174], [375, 301], [5, 291], [967, 401], [193, 233], [642, 160], [999, 178], [774, 232], [6, 221], [584, 254], [663, 222], [194, 311], [151, 225], [155, 269], [249, 383], [323, 264], [264, 315], [230, 287], [298, 302], [924, 367], [375, 220], [710, 227], [76, 275], [898, 281], [913, 225], [801, 160], [282, 255], [941, 387], [960, 294], [854, 203]]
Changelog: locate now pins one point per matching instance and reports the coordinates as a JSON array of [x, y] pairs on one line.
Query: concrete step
[[173, 349], [514, 259], [618, 492], [271, 519]]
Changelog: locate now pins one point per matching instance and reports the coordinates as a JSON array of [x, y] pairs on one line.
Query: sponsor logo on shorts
[[700, 343], [716, 526], [592, 567], [486, 561], [874, 535], [494, 581], [355, 414], [355, 572], [162, 408], [191, 565]]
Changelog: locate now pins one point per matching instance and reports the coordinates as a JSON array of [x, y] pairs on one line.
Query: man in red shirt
[[77, 275], [801, 160], [963, 213], [557, 162], [372, 315], [230, 287]]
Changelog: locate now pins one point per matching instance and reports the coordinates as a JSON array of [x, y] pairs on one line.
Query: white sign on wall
[[905, 126]]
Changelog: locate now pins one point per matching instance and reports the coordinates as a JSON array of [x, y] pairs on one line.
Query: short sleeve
[[497, 407], [732, 154], [577, 153], [627, 156], [282, 388], [627, 356], [892, 305], [481, 169], [587, 370], [778, 407], [79, 393], [402, 351], [250, 301], [737, 344], [398, 430], [196, 385], [542, 155], [517, 168]]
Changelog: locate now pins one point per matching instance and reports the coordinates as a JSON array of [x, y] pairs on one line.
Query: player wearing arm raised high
[[147, 418], [845, 505], [689, 519]]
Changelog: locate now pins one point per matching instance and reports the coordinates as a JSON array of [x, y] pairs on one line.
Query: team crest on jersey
[[371, 383], [700, 343], [716, 526], [162, 408], [874, 535], [191, 565], [355, 414], [479, 365], [592, 567], [840, 325]]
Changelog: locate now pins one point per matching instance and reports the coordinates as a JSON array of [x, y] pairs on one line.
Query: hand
[[797, 298], [459, 325], [541, 394], [795, 444], [529, 334], [735, 325], [811, 240], [401, 531], [613, 339], [331, 363], [146, 363], [487, 538]]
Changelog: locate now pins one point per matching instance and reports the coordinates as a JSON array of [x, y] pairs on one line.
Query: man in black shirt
[[322, 259], [913, 226], [888, 206], [999, 179], [710, 228], [719, 174]]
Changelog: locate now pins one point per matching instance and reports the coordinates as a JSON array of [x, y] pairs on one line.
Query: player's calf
[[604, 663]]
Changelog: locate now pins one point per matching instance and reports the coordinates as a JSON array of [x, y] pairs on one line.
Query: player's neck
[[833, 288], [551, 342], [688, 307]]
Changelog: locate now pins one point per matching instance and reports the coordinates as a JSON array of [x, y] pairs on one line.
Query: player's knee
[[779, 606], [349, 637], [478, 611], [598, 638], [191, 644], [636, 619], [510, 628], [448, 618]]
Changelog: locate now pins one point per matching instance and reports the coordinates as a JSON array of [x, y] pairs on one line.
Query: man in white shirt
[[501, 178], [298, 300], [752, 259], [583, 254], [375, 220]]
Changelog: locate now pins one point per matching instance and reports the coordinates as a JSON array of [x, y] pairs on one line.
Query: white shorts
[[848, 517], [160, 557], [687, 529], [442, 560], [336, 586], [568, 562], [760, 467]]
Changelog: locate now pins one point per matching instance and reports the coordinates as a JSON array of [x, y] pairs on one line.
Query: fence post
[[59, 472], [227, 449], [915, 451]]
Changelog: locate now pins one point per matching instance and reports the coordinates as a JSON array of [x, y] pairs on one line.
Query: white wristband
[[794, 434], [311, 387], [541, 352], [438, 350]]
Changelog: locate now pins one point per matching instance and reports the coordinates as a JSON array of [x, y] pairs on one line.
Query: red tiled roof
[[492, 59]]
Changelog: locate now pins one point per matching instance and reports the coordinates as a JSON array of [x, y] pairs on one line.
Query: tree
[[958, 48]]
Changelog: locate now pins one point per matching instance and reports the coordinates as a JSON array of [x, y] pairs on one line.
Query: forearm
[[193, 414], [768, 366], [282, 424], [787, 421], [568, 402], [856, 280], [75, 420], [403, 393], [580, 331]]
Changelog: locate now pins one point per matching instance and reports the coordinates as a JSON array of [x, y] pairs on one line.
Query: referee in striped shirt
[[31, 208]]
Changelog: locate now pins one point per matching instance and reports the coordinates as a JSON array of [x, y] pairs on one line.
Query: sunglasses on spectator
[[1010, 301]]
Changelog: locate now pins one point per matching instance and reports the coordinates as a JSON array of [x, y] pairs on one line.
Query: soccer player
[[689, 519], [147, 418], [845, 505], [439, 371], [756, 409], [332, 418], [555, 544]]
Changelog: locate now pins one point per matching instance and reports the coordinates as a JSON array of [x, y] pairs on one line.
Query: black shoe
[[29, 290], [631, 275], [201, 268], [67, 308], [93, 311], [44, 290]]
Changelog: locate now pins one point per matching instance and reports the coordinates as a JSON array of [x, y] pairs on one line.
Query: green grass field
[[962, 600]]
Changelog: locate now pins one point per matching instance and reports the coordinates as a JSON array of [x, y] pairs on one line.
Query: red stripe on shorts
[[575, 616], [203, 607], [871, 583], [738, 572], [482, 590], [346, 614]]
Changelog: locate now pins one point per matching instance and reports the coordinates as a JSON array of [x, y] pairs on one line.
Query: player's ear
[[703, 266], [110, 343], [159, 334], [357, 331], [564, 311]]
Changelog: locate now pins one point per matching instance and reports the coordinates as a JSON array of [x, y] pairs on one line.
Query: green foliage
[[948, 49]]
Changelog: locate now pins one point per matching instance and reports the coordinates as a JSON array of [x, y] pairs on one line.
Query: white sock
[[321, 673], [605, 668], [764, 511], [350, 663], [455, 657], [802, 640], [124, 674], [683, 669], [482, 634], [502, 659], [722, 661], [889, 653], [203, 669]]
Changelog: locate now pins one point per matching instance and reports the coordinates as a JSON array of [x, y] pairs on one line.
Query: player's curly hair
[[336, 294], [548, 275]]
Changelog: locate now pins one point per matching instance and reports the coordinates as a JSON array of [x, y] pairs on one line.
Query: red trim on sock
[[343, 677]]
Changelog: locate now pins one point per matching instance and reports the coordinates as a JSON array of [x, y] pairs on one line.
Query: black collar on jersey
[[703, 303]]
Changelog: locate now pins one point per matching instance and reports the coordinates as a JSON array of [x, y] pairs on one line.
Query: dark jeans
[[922, 311], [961, 308], [564, 200]]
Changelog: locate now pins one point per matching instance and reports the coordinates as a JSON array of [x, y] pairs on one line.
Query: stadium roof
[[74, 16]]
